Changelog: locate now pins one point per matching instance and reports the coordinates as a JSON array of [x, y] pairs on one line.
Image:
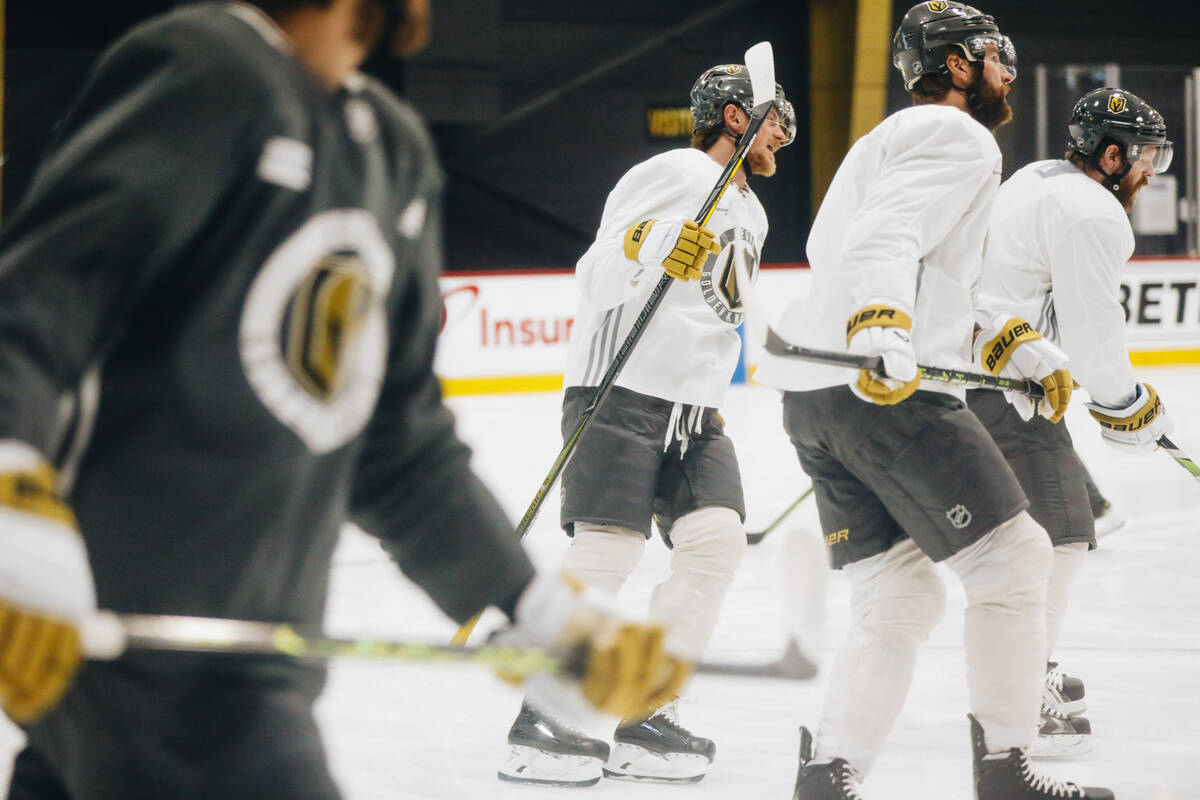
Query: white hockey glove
[[1138, 425], [680, 248], [46, 587], [1011, 348], [882, 328], [626, 671]]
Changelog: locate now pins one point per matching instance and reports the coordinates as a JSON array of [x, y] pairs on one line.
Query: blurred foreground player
[[227, 270], [657, 447], [905, 478], [1057, 242]]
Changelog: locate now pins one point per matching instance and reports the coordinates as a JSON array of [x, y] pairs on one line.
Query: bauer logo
[[1116, 103], [837, 537], [959, 516]]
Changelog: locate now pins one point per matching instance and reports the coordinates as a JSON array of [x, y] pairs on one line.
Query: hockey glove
[[881, 328], [1011, 348], [46, 585], [1138, 425], [679, 248], [625, 669]]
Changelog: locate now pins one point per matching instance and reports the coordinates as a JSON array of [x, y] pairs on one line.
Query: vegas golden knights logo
[[323, 323], [1116, 103], [937, 5]]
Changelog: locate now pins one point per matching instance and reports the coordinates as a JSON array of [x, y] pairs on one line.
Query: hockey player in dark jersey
[[226, 271]]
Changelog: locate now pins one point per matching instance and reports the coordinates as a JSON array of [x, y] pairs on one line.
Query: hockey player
[[905, 475], [1057, 240], [657, 446], [227, 268]]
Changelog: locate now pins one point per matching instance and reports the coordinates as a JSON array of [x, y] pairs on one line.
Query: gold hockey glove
[[680, 249], [1013, 349], [882, 329]]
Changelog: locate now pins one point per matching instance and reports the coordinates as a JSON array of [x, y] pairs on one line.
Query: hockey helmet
[[929, 29], [1125, 118], [721, 85]]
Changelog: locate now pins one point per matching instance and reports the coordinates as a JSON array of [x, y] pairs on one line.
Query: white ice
[[1132, 633]]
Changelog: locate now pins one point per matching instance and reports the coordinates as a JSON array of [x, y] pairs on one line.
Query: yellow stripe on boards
[[1151, 358], [501, 384]]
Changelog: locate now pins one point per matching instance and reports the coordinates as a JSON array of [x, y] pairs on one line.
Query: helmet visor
[[787, 120], [1157, 157], [978, 47]]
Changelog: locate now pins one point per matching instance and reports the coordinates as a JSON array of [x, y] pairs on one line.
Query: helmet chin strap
[[974, 102], [1112, 180]]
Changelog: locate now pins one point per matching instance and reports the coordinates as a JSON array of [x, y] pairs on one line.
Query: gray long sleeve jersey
[[233, 272]]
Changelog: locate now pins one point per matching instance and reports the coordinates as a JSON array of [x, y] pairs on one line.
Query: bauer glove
[[679, 248], [1138, 425], [623, 667], [1011, 348], [46, 587], [882, 328]]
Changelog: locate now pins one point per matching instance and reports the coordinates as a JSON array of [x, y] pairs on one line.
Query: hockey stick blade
[[760, 62], [776, 345], [107, 636], [754, 537]]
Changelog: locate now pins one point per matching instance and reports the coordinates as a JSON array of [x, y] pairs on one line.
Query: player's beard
[[761, 162], [1127, 190], [991, 106]]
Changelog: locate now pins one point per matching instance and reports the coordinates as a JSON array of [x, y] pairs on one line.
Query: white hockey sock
[[603, 556], [1004, 575], [896, 598], [708, 547], [1068, 558]]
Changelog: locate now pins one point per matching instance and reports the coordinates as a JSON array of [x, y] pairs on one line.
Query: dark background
[[538, 106]]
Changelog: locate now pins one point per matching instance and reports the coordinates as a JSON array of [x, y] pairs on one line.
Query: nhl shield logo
[[1116, 103], [959, 516], [937, 5]]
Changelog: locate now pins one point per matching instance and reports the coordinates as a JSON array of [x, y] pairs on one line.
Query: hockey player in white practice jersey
[[905, 475], [1056, 243], [656, 448]]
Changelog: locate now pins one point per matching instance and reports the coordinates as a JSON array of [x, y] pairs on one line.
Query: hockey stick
[[773, 343], [1181, 458], [760, 63], [754, 537], [108, 636]]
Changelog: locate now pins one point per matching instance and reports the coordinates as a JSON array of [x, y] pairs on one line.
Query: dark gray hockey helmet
[[1125, 118], [930, 28], [723, 84]]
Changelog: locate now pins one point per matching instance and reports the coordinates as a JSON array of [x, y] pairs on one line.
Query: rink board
[[508, 331]]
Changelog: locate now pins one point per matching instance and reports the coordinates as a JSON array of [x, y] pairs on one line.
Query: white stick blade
[[760, 61]]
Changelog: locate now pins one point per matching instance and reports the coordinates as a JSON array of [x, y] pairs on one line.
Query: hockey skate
[[1009, 775], [1061, 736], [545, 751], [659, 750], [1063, 693], [833, 780]]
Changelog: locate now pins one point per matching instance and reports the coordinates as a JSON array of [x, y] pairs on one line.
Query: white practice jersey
[[1055, 248], [903, 221], [690, 349]]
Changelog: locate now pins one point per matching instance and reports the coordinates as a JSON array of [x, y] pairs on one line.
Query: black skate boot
[[1061, 736], [1010, 776], [659, 750], [1063, 693], [834, 780], [543, 750]]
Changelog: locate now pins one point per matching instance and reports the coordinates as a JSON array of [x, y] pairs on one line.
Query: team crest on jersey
[[959, 516], [937, 6], [1116, 103], [718, 281], [313, 337]]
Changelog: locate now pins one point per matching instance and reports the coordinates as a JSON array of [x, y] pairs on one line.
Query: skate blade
[[1061, 746], [530, 765], [630, 762]]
